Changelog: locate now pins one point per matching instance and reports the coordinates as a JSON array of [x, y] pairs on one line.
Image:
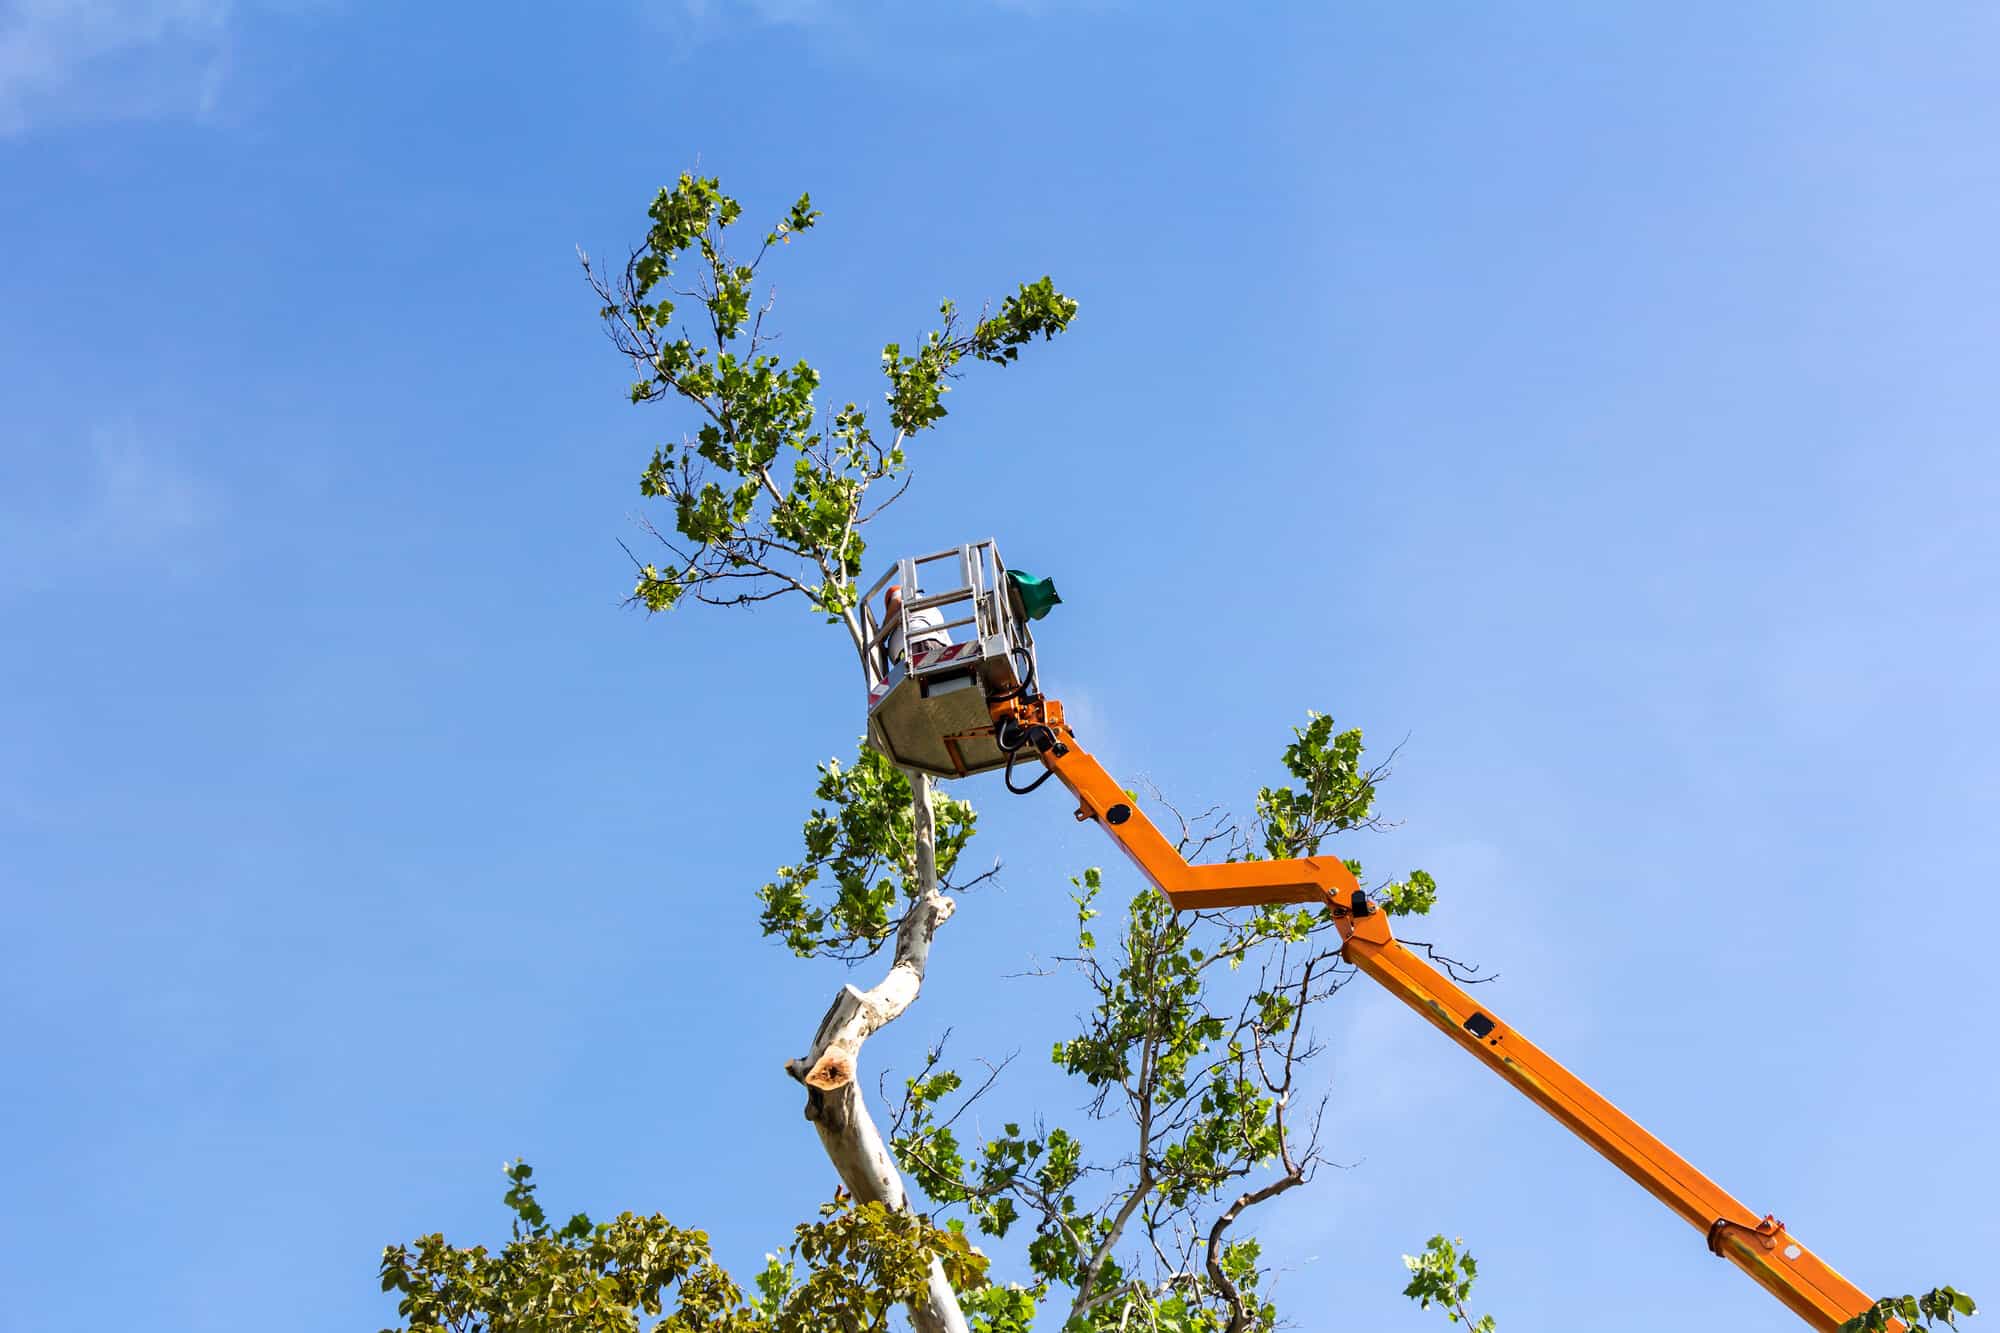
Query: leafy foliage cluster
[[1337, 795], [1937, 1308], [863, 840], [769, 492], [842, 1273], [1443, 1275]]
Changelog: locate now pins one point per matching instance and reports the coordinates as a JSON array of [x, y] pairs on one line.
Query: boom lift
[[954, 705]]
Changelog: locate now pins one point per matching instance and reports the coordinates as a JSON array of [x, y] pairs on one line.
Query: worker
[[925, 626]]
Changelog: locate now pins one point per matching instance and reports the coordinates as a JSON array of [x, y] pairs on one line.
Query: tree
[[771, 498], [1195, 1042]]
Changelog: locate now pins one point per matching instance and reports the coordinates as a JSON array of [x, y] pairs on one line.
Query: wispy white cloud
[[761, 11], [125, 503], [810, 11], [140, 493], [67, 60], [688, 22]]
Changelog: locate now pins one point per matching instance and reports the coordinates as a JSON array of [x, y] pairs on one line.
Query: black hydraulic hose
[[1012, 755], [1027, 685]]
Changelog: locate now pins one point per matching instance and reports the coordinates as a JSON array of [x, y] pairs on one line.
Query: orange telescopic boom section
[[1025, 726]]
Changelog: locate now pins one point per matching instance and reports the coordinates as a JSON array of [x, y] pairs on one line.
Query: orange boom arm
[[1760, 1247]]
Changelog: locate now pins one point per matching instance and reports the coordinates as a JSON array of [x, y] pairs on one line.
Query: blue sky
[[1598, 396]]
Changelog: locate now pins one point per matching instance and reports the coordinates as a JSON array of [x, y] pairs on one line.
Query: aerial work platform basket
[[956, 637]]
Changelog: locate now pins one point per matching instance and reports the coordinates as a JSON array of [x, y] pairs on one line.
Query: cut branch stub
[[855, 1014]]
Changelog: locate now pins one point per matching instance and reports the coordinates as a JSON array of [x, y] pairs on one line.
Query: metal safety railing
[[979, 588]]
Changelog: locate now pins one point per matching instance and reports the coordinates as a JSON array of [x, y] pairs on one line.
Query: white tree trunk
[[833, 1092]]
